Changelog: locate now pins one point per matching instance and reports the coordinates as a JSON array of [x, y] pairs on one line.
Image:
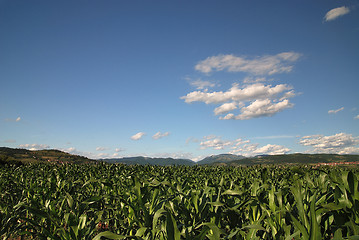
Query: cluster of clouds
[[340, 143], [254, 98], [264, 65], [156, 136], [241, 147]]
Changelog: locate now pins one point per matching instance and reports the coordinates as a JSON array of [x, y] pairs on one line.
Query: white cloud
[[34, 146], [335, 13], [235, 93], [261, 108], [224, 108], [138, 136], [229, 116], [357, 117], [18, 119], [242, 147], [201, 84], [341, 143], [336, 110], [120, 149], [254, 80], [159, 135], [265, 65], [264, 100], [101, 148], [215, 143], [271, 149]]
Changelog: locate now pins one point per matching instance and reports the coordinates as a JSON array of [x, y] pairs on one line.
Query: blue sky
[[183, 79]]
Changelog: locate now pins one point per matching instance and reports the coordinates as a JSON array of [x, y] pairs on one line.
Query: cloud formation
[[216, 143], [262, 100], [335, 13], [340, 143], [138, 136], [241, 147], [264, 65], [101, 148], [201, 84], [18, 119], [356, 117], [34, 146], [336, 110], [159, 135], [271, 149], [235, 93]]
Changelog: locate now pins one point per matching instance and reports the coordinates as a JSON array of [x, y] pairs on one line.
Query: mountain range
[[55, 156]]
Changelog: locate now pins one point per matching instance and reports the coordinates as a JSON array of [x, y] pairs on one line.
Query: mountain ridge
[[19, 155]]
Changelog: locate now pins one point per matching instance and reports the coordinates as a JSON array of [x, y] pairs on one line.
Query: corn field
[[104, 201]]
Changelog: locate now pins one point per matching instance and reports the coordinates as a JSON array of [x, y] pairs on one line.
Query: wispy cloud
[[340, 143], [200, 84], [138, 136], [336, 110], [254, 80], [356, 117], [274, 137], [159, 135], [101, 148], [18, 119], [264, 65], [335, 13], [34, 146], [10, 141]]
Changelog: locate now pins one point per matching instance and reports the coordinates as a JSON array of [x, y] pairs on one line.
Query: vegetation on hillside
[[27, 156], [297, 158]]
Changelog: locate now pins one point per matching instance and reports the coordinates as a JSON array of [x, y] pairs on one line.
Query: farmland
[[115, 201]]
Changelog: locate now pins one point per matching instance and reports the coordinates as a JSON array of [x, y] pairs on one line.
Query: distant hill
[[151, 161], [18, 155], [221, 158], [297, 158]]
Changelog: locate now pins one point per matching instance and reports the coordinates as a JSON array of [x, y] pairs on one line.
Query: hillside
[[55, 156], [297, 158], [150, 161], [27, 156], [221, 158]]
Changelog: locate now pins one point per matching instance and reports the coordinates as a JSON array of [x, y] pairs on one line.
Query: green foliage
[[104, 201]]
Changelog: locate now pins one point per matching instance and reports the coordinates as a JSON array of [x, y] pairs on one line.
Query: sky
[[181, 79]]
